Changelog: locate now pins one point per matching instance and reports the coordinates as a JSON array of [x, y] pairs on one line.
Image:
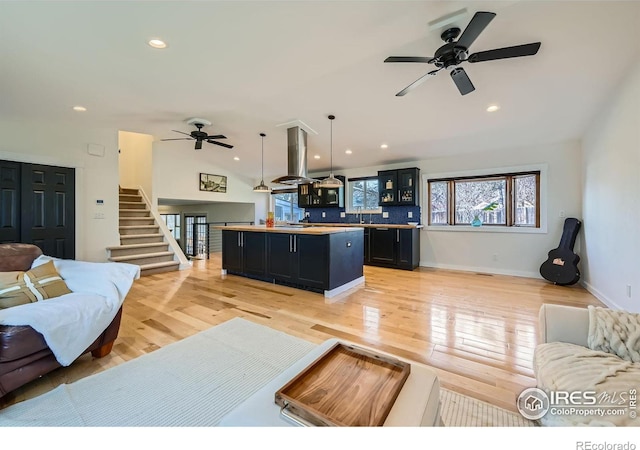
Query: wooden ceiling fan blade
[[221, 144], [178, 139], [409, 59], [217, 136], [477, 25], [181, 132], [417, 83], [506, 52], [198, 145]]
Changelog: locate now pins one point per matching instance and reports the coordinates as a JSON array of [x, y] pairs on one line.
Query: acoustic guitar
[[561, 267]]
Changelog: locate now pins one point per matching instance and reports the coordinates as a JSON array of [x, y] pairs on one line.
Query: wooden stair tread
[[158, 265], [137, 227], [139, 256], [129, 246], [137, 236]]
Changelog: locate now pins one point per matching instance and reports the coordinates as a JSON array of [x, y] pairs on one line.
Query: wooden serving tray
[[345, 386]]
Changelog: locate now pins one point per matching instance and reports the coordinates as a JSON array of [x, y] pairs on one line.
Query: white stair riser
[[161, 247], [146, 272], [133, 239], [142, 260], [135, 221], [142, 230], [135, 213]]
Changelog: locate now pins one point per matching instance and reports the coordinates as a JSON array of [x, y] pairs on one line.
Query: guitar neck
[[570, 233]]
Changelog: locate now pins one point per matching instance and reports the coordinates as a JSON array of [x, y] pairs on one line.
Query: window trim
[[349, 204], [541, 213]]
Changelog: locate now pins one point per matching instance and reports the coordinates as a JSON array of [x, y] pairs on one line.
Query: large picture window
[[285, 206], [508, 200], [364, 193]]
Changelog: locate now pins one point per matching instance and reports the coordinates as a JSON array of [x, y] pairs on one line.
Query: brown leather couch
[[24, 355]]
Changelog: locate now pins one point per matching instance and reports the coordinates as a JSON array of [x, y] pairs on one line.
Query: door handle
[[398, 195], [242, 239], [239, 234], [295, 244], [382, 229], [290, 243], [398, 235]]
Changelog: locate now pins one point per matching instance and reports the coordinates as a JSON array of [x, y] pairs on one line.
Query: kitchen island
[[396, 246], [328, 260]]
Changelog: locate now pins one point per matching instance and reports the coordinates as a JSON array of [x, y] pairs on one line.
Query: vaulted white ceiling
[[249, 66]]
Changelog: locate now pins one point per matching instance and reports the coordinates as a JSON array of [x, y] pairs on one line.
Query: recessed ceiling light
[[235, 158], [493, 108], [316, 156], [79, 108], [384, 146], [157, 43], [348, 152]]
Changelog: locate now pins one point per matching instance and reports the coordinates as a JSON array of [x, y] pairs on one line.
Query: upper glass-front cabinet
[[399, 187]]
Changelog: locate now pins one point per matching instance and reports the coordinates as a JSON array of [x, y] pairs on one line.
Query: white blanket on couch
[[72, 322]]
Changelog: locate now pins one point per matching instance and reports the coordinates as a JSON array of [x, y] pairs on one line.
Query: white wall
[[176, 173], [611, 190], [65, 145], [135, 161], [517, 253]]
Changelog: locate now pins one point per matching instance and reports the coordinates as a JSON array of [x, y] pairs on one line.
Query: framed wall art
[[213, 183]]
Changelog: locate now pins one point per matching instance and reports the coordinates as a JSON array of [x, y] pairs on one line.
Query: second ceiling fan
[[454, 52], [200, 136]]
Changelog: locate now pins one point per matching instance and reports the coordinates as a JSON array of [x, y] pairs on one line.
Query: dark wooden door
[[10, 211], [231, 251], [383, 246], [254, 248], [280, 256], [48, 209], [312, 259]]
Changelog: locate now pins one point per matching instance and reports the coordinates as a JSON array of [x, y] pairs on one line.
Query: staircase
[[141, 241]]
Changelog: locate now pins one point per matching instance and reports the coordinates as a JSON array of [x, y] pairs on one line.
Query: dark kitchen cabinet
[[399, 187], [394, 247], [312, 195], [298, 258], [244, 252]]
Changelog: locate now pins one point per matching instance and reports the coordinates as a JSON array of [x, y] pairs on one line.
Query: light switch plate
[[410, 214], [343, 215], [324, 214], [385, 215]]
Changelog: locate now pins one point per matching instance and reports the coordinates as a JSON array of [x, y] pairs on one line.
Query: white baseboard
[[600, 296], [492, 270], [345, 287]]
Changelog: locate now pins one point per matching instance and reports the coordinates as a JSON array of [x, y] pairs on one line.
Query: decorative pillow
[[39, 283]]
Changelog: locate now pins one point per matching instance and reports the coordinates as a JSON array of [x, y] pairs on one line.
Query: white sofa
[[563, 362]]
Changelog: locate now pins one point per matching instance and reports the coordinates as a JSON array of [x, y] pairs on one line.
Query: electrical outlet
[[98, 216], [629, 290], [385, 215], [324, 214], [562, 214], [343, 215], [410, 214]]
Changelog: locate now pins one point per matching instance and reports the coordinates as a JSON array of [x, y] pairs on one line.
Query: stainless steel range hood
[[296, 158]]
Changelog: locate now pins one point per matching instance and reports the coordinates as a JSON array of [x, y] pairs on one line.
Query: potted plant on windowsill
[[476, 222]]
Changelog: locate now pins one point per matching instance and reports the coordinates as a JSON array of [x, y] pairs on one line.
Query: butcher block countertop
[[363, 225], [291, 229]]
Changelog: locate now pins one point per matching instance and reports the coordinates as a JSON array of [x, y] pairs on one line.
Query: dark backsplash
[[397, 215]]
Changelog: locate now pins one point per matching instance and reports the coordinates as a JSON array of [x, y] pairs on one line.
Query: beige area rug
[[196, 382], [458, 410]]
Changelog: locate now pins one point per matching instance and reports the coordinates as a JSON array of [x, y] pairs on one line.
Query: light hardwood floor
[[477, 331]]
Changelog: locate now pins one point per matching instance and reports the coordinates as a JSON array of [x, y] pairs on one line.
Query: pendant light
[[262, 187], [331, 182]]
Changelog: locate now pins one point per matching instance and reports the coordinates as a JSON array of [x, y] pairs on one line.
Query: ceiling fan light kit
[[331, 182], [455, 52], [262, 187]]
